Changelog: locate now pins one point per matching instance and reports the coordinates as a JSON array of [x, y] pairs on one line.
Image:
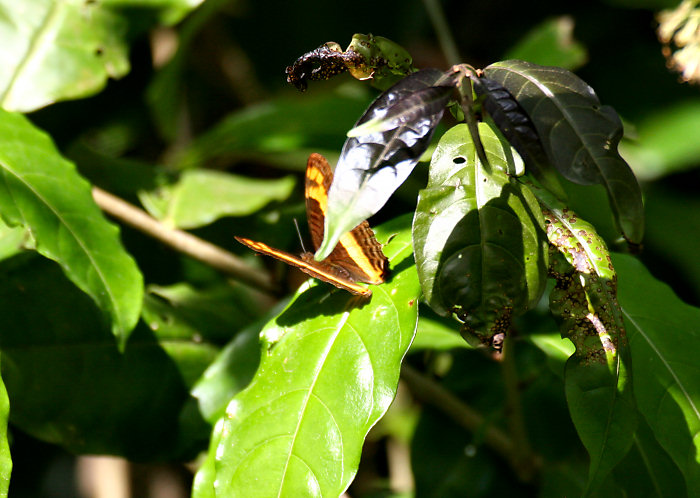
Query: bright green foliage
[[201, 197], [42, 192], [327, 374], [478, 236]]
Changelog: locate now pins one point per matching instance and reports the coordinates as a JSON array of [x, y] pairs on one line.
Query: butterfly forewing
[[358, 256]]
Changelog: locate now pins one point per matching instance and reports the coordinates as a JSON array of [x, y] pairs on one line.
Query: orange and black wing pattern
[[358, 256]]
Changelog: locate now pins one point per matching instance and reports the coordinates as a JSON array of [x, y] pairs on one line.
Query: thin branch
[[183, 242], [442, 30], [433, 393], [527, 462]]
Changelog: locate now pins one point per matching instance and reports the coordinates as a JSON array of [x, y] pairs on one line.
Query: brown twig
[[183, 242], [433, 393]]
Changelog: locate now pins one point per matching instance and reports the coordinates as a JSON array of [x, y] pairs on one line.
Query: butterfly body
[[358, 256]]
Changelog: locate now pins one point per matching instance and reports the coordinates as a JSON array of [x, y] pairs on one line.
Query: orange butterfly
[[358, 256]]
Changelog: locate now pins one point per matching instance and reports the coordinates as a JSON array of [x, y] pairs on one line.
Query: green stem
[[526, 462], [442, 30]]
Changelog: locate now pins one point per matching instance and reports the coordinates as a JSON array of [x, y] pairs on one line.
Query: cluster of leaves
[[96, 362]]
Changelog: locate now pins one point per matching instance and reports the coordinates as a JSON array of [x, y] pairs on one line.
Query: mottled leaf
[[201, 197], [42, 192], [372, 166], [329, 372], [664, 339], [579, 135], [597, 375], [478, 235]]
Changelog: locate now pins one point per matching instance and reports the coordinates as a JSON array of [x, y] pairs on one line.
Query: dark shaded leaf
[[579, 135], [478, 235], [41, 191], [327, 374], [70, 385], [664, 340], [372, 166]]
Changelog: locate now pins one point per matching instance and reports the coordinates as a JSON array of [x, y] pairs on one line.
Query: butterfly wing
[[319, 177], [358, 253]]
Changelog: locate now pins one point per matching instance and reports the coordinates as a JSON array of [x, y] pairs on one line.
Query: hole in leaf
[[459, 160]]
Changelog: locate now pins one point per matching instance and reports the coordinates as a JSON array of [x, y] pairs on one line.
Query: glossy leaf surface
[[579, 135], [373, 165], [664, 340], [329, 371], [597, 375], [478, 236], [42, 192], [201, 197]]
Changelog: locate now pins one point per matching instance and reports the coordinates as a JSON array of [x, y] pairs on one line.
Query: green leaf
[[597, 375], [70, 385], [5, 457], [201, 197], [13, 240], [551, 43], [279, 129], [478, 236], [373, 165], [56, 50], [42, 192], [665, 142], [648, 470], [203, 483], [228, 374], [437, 334], [168, 11], [579, 135], [329, 372], [664, 340]]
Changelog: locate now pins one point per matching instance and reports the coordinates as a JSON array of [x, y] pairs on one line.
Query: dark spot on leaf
[[459, 160]]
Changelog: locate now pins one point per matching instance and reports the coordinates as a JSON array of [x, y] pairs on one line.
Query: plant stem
[[442, 30], [183, 242], [433, 393], [527, 463]]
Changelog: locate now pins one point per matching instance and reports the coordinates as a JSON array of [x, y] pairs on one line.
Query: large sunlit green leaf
[[579, 135], [479, 237], [5, 457], [203, 196], [664, 339], [329, 371], [65, 49], [375, 161], [71, 385], [42, 192]]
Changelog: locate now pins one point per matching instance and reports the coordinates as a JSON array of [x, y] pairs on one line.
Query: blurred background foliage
[[211, 92]]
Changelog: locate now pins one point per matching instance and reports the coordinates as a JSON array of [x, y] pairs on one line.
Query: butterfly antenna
[[301, 240]]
